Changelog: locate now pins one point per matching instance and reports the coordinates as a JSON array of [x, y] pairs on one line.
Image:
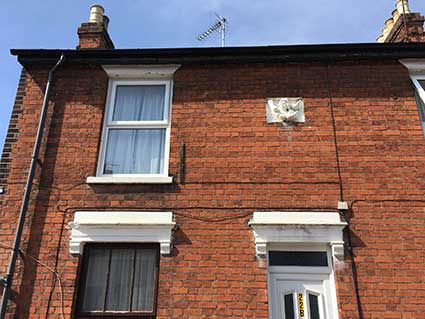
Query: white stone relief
[[285, 110]]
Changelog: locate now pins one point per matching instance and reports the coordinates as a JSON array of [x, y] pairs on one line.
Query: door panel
[[296, 299]]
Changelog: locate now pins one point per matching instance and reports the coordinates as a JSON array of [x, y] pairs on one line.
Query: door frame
[[303, 273]]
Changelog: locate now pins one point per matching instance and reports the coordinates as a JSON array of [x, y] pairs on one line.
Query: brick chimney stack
[[94, 34], [404, 26]]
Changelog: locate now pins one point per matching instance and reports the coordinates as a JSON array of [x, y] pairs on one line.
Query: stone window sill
[[129, 180]]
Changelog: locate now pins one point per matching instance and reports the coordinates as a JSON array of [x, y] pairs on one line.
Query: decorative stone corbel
[[337, 248], [298, 228], [122, 227], [261, 249]]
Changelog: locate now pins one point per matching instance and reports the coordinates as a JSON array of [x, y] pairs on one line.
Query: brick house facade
[[236, 185]]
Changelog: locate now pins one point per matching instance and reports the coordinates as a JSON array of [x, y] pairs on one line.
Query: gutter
[[7, 281], [263, 54]]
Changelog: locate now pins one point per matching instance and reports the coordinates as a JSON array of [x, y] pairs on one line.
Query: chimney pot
[[105, 22], [96, 13], [389, 23], [396, 15], [400, 4], [94, 34], [404, 26]]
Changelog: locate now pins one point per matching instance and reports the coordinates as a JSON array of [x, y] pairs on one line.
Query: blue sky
[[176, 23]]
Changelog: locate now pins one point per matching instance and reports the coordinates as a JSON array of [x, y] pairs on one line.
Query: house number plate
[[301, 305]]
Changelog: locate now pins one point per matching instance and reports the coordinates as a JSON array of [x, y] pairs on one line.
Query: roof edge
[[290, 53]]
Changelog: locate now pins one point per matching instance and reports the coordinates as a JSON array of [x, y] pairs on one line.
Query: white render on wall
[[121, 227], [298, 228]]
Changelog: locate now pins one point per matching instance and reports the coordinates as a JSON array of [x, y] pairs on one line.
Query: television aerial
[[219, 26]]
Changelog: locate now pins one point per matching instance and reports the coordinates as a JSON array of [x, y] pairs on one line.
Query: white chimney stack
[[403, 3], [96, 13]]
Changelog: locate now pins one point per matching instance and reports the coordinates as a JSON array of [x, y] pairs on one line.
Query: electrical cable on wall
[[67, 209], [338, 164], [56, 274], [341, 190]]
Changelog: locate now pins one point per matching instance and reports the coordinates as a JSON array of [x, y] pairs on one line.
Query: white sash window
[[135, 142]]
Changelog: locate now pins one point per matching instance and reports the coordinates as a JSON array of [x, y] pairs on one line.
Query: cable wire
[[338, 164], [56, 274], [176, 209], [341, 192]]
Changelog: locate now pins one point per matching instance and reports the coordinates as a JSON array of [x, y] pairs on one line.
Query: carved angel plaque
[[285, 110]]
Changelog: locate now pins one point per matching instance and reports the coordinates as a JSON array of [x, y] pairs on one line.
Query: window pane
[[422, 83], [139, 103], [289, 307], [95, 286], [298, 258], [144, 280], [313, 301], [137, 151], [120, 279]]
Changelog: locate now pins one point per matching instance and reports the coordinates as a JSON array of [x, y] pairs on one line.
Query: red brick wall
[[12, 134], [236, 164], [93, 35]]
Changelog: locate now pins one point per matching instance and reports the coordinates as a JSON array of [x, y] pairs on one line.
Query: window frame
[[82, 279], [419, 94], [109, 124], [421, 91]]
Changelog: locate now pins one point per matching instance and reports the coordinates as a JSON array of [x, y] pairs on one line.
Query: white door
[[298, 298]]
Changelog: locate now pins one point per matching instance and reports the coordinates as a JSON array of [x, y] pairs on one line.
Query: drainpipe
[[7, 282]]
